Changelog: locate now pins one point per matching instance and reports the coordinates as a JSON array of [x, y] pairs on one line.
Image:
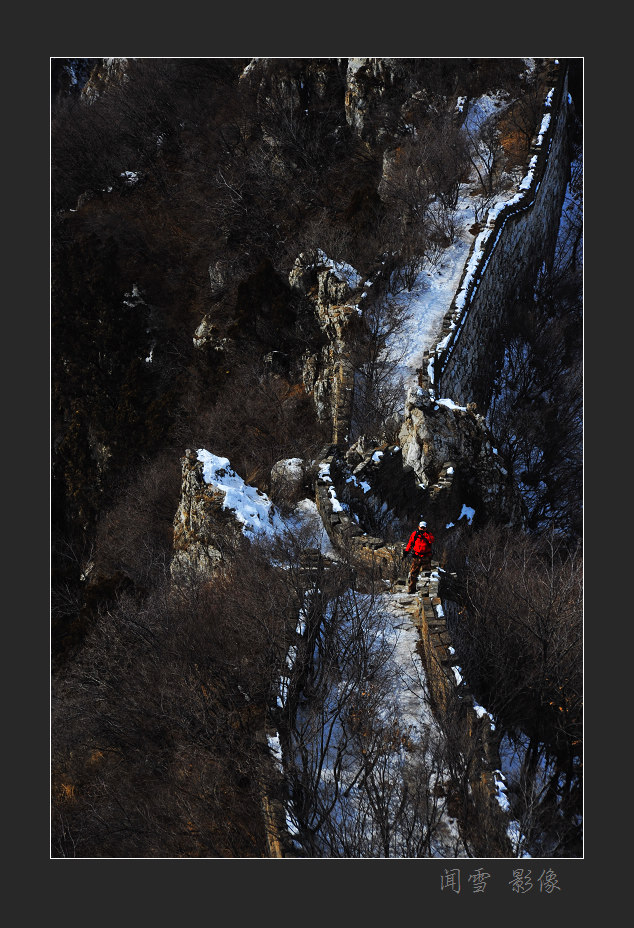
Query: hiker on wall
[[420, 543]]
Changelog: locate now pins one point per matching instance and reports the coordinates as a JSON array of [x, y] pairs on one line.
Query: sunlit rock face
[[329, 373], [106, 72], [202, 527], [367, 81]]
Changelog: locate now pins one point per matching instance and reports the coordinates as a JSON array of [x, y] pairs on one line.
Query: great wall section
[[505, 257], [358, 488], [507, 253]]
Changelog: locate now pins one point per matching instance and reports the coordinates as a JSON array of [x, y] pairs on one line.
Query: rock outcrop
[[207, 336], [107, 72], [288, 478], [368, 85], [335, 292], [203, 529], [374, 98], [437, 432]]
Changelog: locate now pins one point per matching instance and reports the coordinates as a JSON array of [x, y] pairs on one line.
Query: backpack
[[422, 543]]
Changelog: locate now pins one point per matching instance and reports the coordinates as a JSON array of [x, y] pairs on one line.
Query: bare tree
[[485, 154], [157, 724], [444, 156], [526, 112], [568, 256], [519, 642], [377, 354], [536, 410], [407, 191], [362, 783]]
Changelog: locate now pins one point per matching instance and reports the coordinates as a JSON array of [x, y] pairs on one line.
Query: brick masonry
[[520, 241]]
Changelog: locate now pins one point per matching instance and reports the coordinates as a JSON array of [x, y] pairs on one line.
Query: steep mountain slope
[[234, 244]]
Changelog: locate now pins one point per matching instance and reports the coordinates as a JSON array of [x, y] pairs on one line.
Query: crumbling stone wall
[[440, 439], [344, 496], [342, 527], [380, 487], [521, 239], [439, 659]]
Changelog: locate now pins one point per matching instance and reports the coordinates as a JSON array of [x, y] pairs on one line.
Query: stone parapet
[[505, 257], [446, 686], [343, 528], [355, 490]]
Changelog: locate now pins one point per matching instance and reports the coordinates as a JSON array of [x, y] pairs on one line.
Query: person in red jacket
[[420, 544]]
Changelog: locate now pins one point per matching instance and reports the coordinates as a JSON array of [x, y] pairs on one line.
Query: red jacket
[[421, 540]]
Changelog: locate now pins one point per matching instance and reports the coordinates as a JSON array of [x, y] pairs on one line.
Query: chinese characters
[[521, 882]]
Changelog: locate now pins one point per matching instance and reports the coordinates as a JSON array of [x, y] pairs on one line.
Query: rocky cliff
[[203, 528], [105, 73], [437, 432], [329, 373]]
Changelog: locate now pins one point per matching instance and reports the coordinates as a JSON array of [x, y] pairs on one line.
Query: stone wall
[[342, 492], [505, 258], [442, 437], [451, 697], [343, 529], [380, 487]]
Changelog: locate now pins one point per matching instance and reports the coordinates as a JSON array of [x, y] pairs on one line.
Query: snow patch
[[342, 270], [467, 513], [251, 507]]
